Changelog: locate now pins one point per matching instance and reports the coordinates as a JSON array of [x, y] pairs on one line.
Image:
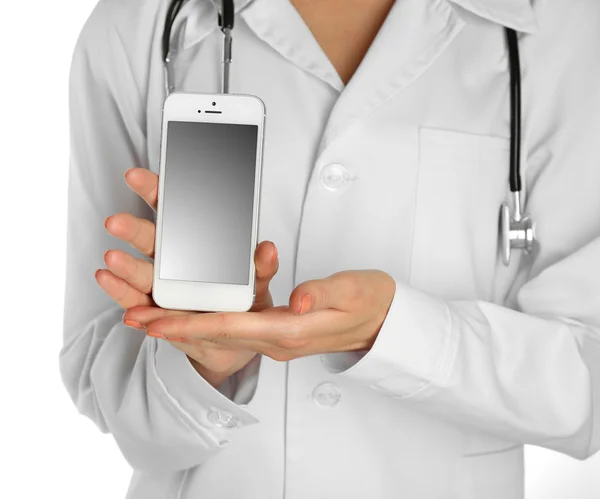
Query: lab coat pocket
[[462, 181], [493, 475]]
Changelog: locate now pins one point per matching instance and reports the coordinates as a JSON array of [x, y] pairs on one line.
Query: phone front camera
[[214, 103]]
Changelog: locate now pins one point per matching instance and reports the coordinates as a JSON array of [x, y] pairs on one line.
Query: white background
[[46, 448]]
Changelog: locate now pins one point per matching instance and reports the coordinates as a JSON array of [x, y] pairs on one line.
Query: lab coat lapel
[[515, 14], [413, 35], [277, 23]]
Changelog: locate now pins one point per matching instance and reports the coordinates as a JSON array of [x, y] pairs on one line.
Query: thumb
[[313, 295], [347, 290], [266, 261]]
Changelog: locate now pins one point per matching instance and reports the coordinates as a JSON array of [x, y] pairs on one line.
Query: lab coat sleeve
[[527, 372], [143, 391]]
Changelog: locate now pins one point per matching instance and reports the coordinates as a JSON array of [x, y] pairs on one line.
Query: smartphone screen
[[208, 201]]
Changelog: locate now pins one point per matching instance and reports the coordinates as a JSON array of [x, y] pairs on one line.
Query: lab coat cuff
[[414, 347], [207, 407]]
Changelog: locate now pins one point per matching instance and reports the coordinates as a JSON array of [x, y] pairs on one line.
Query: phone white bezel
[[205, 296]]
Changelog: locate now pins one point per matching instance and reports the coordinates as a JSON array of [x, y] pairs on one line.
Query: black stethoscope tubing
[[172, 12], [515, 109]]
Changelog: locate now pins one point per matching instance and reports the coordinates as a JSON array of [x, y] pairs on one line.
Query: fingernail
[[106, 221], [134, 324], [306, 303], [274, 255]]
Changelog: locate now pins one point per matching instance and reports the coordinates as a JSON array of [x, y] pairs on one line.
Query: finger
[[137, 272], [227, 326], [266, 261], [120, 291], [349, 290], [143, 315], [138, 232], [144, 183], [139, 317]]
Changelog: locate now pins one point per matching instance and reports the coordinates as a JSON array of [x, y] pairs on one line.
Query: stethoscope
[[516, 230]]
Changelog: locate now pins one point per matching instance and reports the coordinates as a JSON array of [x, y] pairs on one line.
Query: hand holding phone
[[128, 281]]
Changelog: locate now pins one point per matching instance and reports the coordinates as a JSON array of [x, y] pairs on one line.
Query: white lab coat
[[402, 170]]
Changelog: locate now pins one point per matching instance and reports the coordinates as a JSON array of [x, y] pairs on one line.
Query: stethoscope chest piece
[[516, 231]]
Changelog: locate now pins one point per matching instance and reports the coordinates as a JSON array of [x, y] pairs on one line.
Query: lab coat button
[[222, 419], [335, 176], [326, 395]]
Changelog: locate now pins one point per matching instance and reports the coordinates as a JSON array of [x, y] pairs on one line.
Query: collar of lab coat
[[516, 14], [199, 17]]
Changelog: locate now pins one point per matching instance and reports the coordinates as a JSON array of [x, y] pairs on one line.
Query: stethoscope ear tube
[[515, 109], [226, 17]]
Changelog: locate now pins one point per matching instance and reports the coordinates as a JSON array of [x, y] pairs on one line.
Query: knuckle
[[142, 279], [144, 237], [123, 297], [350, 282]]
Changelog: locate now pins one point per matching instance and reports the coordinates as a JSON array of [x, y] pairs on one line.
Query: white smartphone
[[208, 202]]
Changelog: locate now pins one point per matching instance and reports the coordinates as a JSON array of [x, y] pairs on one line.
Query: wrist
[[213, 378]]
